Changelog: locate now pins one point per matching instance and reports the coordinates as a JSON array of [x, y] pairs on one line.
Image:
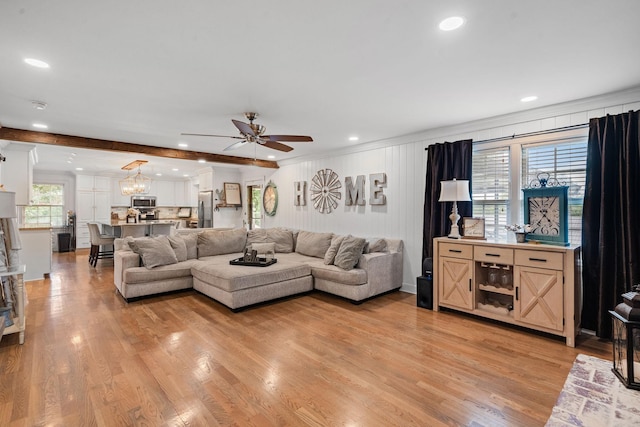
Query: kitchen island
[[157, 227], [36, 251]]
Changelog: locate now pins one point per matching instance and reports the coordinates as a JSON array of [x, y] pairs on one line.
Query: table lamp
[[454, 191]]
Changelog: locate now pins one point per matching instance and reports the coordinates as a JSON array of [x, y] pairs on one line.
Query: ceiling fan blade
[[236, 145], [217, 136], [243, 127], [288, 138], [276, 146]]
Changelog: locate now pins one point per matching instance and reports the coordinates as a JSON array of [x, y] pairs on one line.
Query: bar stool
[[97, 240]]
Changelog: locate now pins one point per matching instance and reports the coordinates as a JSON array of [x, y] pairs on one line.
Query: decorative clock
[[546, 211], [270, 199]]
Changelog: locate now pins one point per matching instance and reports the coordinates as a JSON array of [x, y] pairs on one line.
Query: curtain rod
[[522, 135]]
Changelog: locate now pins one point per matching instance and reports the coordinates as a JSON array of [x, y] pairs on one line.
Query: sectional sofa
[[350, 267]]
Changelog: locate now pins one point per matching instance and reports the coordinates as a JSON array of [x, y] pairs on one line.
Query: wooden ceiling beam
[[126, 147]]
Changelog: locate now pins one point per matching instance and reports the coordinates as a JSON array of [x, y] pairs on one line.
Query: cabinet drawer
[[493, 255], [454, 250], [541, 259]]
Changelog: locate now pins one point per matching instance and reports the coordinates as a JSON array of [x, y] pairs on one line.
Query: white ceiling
[[144, 71]]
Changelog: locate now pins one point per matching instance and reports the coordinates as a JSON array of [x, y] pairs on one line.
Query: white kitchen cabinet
[[36, 252], [91, 206], [205, 179], [181, 192], [93, 183], [164, 192], [17, 171]]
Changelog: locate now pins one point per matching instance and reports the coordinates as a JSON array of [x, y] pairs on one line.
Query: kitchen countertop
[[144, 222]]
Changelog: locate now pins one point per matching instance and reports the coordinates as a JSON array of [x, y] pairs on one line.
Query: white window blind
[[566, 162], [490, 185]]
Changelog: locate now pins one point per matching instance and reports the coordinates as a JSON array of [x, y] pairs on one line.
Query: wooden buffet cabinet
[[535, 286]]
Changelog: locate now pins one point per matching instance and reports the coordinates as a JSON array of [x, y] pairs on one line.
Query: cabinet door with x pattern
[[455, 281], [539, 297]]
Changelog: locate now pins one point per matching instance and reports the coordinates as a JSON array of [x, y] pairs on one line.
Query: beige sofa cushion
[[141, 275], [263, 248], [283, 239], [179, 247], [313, 244], [154, 251], [191, 241], [349, 253], [221, 242], [330, 255], [256, 236]]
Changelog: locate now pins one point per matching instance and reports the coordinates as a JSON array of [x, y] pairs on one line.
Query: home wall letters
[[326, 194]]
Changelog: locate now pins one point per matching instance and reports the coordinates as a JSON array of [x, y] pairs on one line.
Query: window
[[501, 169], [567, 162], [490, 192], [47, 208]]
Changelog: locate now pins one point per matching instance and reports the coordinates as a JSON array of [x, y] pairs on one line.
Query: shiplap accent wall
[[404, 160]]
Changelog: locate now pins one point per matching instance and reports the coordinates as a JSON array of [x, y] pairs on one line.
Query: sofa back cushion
[[283, 239], [191, 242], [258, 235], [221, 242], [313, 244], [154, 251]]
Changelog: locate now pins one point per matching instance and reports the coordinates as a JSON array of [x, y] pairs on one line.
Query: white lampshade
[[7, 204], [454, 191]]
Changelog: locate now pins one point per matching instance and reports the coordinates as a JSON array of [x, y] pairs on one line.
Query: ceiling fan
[[253, 132]]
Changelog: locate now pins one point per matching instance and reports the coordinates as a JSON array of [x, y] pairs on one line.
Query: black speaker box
[[424, 294]]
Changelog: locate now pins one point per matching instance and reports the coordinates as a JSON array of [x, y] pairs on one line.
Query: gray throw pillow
[[179, 247], [283, 239], [191, 242], [375, 245], [349, 253], [154, 252], [330, 255], [313, 244], [221, 242]]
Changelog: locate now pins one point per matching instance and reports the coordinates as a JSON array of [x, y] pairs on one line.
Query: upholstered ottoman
[[239, 286]]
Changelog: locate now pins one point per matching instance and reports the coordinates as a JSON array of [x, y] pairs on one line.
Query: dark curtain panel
[[610, 232], [444, 162]]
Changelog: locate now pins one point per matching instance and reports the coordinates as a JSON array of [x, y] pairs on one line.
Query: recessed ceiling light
[[79, 169], [175, 169], [40, 125], [271, 156], [183, 144], [36, 63], [158, 174], [451, 23], [353, 138], [69, 161], [202, 161], [529, 98], [185, 175], [73, 154]]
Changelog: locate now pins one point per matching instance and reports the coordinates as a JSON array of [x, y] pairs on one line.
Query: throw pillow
[[179, 247], [313, 244], [154, 252], [221, 242], [349, 253], [283, 239], [330, 255], [375, 245], [263, 248], [191, 242]]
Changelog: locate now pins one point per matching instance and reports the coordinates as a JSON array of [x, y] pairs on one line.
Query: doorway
[[254, 205]]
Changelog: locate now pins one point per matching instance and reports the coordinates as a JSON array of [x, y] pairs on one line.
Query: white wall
[[403, 160]]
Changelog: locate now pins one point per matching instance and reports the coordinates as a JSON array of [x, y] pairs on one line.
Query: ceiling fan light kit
[[253, 132]]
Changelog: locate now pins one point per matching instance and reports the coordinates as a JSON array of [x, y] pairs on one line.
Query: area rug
[[594, 396]]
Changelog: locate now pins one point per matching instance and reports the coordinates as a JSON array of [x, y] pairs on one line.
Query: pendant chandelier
[[135, 184]]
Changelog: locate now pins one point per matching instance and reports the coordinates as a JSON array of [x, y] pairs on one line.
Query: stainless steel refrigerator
[[205, 209]]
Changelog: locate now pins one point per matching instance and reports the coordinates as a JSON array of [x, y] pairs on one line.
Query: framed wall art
[[473, 228], [232, 193]]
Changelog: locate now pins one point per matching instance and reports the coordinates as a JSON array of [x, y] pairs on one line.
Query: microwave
[[143, 201]]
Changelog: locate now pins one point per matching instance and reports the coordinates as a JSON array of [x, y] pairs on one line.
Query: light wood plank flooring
[[90, 359]]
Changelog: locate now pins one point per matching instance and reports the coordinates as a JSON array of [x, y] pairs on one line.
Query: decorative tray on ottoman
[[260, 262]]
